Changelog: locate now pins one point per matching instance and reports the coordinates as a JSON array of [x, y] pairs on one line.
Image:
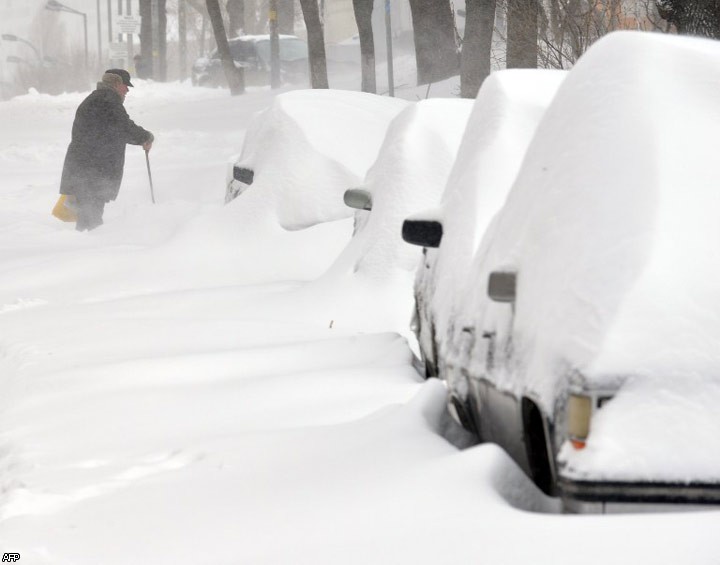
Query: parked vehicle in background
[[252, 53], [504, 118], [585, 343], [409, 173], [304, 150]]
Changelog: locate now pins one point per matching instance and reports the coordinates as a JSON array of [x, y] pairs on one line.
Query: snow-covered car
[[505, 115], [409, 174], [588, 348], [252, 53], [304, 151]]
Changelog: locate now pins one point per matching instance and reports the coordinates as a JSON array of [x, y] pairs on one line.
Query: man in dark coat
[[95, 159]]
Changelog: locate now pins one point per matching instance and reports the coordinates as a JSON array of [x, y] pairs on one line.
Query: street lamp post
[[11, 37], [388, 40], [13, 59], [17, 60], [55, 6], [36, 68], [99, 33]]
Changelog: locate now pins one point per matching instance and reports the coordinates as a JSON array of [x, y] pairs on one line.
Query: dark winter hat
[[123, 74]]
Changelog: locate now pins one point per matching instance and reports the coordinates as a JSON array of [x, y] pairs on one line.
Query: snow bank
[[310, 146]]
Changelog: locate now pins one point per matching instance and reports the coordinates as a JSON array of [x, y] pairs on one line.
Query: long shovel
[[147, 160]]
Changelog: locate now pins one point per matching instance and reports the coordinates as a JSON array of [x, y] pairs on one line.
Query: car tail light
[[578, 419]]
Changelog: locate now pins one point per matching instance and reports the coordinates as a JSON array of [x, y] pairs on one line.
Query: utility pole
[[99, 35], [182, 33], [388, 39], [110, 37], [155, 15], [109, 11], [274, 45], [130, 46], [119, 35]]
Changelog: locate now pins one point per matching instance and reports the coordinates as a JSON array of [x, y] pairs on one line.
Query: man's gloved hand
[[148, 144]]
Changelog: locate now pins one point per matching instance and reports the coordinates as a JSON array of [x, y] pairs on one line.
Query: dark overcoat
[[96, 156]]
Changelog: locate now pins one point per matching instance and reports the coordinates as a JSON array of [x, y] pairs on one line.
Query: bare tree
[[363, 17], [236, 17], [692, 17], [256, 16], [436, 42], [522, 34], [235, 76], [316, 44], [159, 71], [476, 47], [146, 46], [286, 17]]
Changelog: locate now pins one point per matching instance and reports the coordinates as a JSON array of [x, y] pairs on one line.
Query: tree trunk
[[182, 39], [286, 17], [162, 40], [146, 38], [436, 48], [235, 77], [363, 17], [522, 34], [236, 17], [477, 44], [692, 17], [316, 44]]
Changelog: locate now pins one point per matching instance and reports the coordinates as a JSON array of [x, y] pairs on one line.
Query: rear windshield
[[242, 50], [290, 49]]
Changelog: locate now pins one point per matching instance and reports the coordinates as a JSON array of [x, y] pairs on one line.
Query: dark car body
[[252, 54]]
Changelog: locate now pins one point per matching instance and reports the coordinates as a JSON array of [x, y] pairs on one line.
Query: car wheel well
[[537, 446], [464, 414]]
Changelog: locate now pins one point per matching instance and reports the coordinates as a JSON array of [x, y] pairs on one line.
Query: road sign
[[118, 50], [126, 24]]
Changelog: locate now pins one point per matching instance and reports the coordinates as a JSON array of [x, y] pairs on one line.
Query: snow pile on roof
[[611, 216], [612, 224], [309, 146], [507, 110], [409, 174]]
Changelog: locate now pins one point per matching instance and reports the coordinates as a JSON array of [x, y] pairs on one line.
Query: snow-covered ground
[[175, 389]]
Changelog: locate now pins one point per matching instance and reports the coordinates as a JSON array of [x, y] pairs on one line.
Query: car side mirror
[[502, 286], [358, 198], [243, 175], [426, 233]]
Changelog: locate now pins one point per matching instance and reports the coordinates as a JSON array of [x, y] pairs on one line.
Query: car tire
[[537, 447]]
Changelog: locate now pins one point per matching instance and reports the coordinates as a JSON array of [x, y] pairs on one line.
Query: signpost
[[123, 25], [127, 24], [118, 51]]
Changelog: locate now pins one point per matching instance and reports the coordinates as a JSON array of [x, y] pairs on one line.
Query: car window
[[242, 50], [291, 49]]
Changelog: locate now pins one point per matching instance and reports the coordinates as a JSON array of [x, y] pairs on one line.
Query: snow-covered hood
[[311, 145]]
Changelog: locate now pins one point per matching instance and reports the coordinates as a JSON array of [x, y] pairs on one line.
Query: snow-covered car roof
[[507, 110], [261, 37], [409, 174], [612, 226], [310, 146]]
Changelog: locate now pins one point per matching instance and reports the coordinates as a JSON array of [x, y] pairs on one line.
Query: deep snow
[[175, 389]]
